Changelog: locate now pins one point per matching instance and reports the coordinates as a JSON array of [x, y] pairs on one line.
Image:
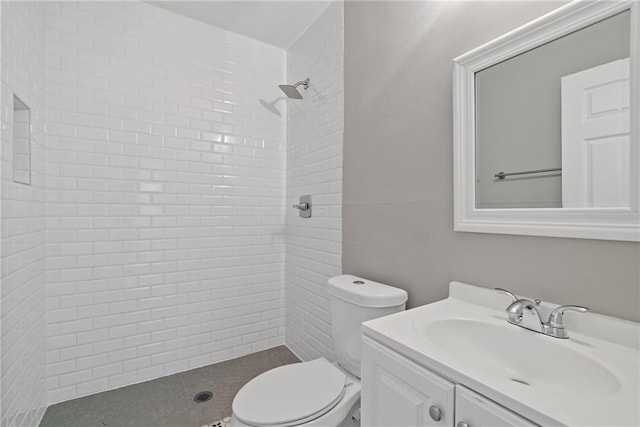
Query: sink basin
[[521, 356]]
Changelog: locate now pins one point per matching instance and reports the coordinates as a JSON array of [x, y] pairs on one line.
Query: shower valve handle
[[304, 206]]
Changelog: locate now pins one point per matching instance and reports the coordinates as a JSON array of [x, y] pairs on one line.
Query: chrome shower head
[[291, 90]]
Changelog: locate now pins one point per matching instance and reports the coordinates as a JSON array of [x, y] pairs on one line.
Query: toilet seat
[[290, 395]]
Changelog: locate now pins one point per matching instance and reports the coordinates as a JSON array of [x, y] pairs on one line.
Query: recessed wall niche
[[21, 142]]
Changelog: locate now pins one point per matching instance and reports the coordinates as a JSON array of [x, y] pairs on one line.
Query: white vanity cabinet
[[398, 392], [461, 357], [474, 410]]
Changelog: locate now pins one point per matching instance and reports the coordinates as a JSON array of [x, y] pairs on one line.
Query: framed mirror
[[546, 126]]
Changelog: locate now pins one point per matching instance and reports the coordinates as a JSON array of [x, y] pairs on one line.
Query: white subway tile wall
[[166, 196], [314, 166], [23, 221]]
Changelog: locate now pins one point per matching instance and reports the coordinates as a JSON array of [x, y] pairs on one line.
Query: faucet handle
[[511, 294], [556, 319]]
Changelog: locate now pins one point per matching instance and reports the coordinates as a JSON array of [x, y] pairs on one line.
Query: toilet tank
[[354, 300]]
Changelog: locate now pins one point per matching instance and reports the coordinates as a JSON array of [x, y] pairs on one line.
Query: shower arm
[[304, 83]]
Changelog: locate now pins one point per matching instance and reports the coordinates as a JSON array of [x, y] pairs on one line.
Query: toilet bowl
[[320, 393], [316, 393]]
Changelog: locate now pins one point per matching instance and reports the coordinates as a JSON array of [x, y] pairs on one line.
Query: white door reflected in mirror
[[595, 137]]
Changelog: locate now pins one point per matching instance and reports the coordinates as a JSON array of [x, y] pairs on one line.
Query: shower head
[[292, 92]]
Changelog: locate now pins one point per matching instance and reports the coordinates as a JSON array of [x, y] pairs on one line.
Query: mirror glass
[[552, 124]]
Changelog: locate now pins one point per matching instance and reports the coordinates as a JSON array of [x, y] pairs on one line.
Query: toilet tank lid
[[365, 293]]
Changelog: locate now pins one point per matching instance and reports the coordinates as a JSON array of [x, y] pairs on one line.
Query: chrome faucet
[[524, 313]]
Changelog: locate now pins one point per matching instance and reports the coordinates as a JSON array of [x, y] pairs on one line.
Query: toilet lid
[[290, 393]]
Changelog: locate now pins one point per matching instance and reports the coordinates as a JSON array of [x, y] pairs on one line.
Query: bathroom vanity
[[458, 362]]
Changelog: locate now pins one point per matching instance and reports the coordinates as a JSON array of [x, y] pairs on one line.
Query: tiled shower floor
[[168, 401]]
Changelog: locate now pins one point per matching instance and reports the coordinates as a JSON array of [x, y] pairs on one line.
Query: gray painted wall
[[398, 184], [518, 119]]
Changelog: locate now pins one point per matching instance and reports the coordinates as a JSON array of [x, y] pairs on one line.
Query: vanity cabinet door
[[397, 392], [475, 410]]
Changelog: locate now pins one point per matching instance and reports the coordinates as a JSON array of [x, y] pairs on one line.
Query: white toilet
[[320, 393]]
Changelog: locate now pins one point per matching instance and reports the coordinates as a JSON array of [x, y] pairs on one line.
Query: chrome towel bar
[[502, 175]]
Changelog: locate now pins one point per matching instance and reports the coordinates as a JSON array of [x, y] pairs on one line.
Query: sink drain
[[203, 396], [515, 380]]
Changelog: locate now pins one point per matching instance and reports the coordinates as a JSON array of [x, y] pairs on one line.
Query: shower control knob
[[435, 413], [462, 424], [304, 206]]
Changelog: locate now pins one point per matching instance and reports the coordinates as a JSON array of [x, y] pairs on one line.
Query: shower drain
[[203, 396]]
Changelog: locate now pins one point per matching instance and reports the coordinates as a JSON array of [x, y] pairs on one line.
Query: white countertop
[[611, 342]]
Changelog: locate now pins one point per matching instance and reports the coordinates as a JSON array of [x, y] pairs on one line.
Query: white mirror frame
[[586, 223]]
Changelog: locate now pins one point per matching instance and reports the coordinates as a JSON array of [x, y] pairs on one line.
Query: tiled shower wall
[[314, 166], [165, 195], [23, 221], [165, 178]]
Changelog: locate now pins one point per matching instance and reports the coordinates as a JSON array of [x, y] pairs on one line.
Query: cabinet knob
[[435, 413], [462, 424]]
